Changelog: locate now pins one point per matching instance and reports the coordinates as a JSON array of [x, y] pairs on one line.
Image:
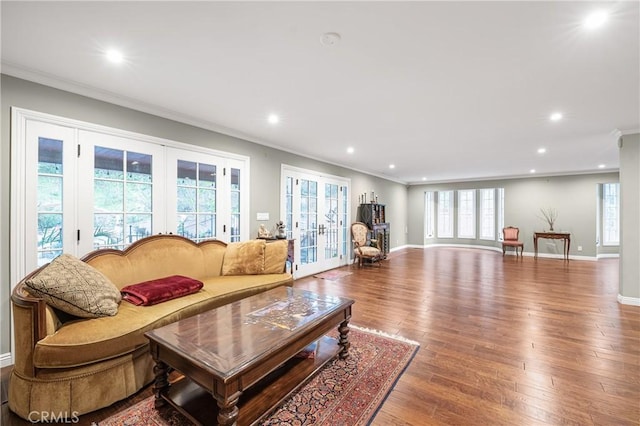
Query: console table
[[564, 236]]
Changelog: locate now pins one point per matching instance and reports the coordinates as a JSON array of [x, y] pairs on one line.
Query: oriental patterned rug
[[344, 392]]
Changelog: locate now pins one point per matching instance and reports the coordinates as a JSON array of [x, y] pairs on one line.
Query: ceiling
[[445, 91]]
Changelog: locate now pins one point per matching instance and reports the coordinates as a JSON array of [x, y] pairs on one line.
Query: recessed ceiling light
[[542, 150], [273, 119], [532, 171], [424, 178], [114, 56], [602, 166], [392, 166], [350, 150], [556, 116], [596, 19]]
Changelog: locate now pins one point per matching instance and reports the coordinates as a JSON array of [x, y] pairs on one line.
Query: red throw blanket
[[160, 290]]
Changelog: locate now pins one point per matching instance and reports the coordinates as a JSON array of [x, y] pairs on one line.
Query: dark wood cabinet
[[371, 214], [374, 216]]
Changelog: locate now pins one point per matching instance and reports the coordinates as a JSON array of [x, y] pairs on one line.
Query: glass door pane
[[196, 200], [308, 221], [331, 219], [123, 202], [49, 200], [235, 205]]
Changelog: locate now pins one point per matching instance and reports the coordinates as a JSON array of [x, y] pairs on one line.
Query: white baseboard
[[5, 360], [473, 246], [499, 250], [633, 301], [608, 256]]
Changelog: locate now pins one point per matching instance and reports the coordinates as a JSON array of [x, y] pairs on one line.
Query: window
[[429, 217], [79, 187], [467, 213], [611, 214], [487, 214], [500, 213], [445, 214]]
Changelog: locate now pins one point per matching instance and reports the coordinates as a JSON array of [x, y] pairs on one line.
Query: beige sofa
[[67, 367]]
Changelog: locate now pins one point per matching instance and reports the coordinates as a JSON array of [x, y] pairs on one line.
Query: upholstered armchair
[[362, 248], [510, 236]]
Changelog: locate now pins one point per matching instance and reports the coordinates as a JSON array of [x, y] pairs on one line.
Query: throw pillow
[[244, 258], [160, 290], [74, 287], [275, 256]]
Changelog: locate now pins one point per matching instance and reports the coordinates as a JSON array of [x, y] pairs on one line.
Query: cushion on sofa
[[275, 256], [69, 284], [244, 258], [160, 290]]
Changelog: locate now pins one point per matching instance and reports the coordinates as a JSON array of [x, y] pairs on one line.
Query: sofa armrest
[[30, 326]]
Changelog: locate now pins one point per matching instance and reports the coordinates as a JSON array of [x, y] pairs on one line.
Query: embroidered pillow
[[74, 287], [244, 258]]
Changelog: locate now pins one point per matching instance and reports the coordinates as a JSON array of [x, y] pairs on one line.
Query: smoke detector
[[329, 39]]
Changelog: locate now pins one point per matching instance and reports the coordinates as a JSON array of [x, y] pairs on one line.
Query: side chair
[[510, 239], [362, 248]]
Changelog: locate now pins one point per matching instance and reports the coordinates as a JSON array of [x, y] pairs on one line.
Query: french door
[[77, 187], [315, 208]]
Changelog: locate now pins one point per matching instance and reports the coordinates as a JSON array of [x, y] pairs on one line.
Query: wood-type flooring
[[503, 340]]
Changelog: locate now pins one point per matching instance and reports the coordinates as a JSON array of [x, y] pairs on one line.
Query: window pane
[[186, 173], [429, 221], [206, 226], [187, 225], [108, 163], [108, 196], [108, 231], [138, 167], [235, 205], [137, 226], [49, 156], [207, 176], [466, 214], [206, 200], [138, 198], [445, 214], [186, 199], [122, 184], [49, 237], [487, 214], [49, 200], [500, 213], [611, 214], [49, 193]]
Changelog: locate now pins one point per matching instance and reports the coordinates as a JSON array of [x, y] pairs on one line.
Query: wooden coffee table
[[244, 354]]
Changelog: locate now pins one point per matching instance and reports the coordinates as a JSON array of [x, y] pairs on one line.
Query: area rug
[[333, 274], [344, 392]]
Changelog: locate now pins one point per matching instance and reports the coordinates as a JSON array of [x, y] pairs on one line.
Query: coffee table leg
[[228, 410], [343, 329], [161, 384]]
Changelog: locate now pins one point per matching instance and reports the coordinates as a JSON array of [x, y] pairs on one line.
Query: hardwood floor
[[503, 340]]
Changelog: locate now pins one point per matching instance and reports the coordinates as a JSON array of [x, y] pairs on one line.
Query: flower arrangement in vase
[[550, 215]]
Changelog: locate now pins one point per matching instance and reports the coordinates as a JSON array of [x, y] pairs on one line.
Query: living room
[[572, 192]]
